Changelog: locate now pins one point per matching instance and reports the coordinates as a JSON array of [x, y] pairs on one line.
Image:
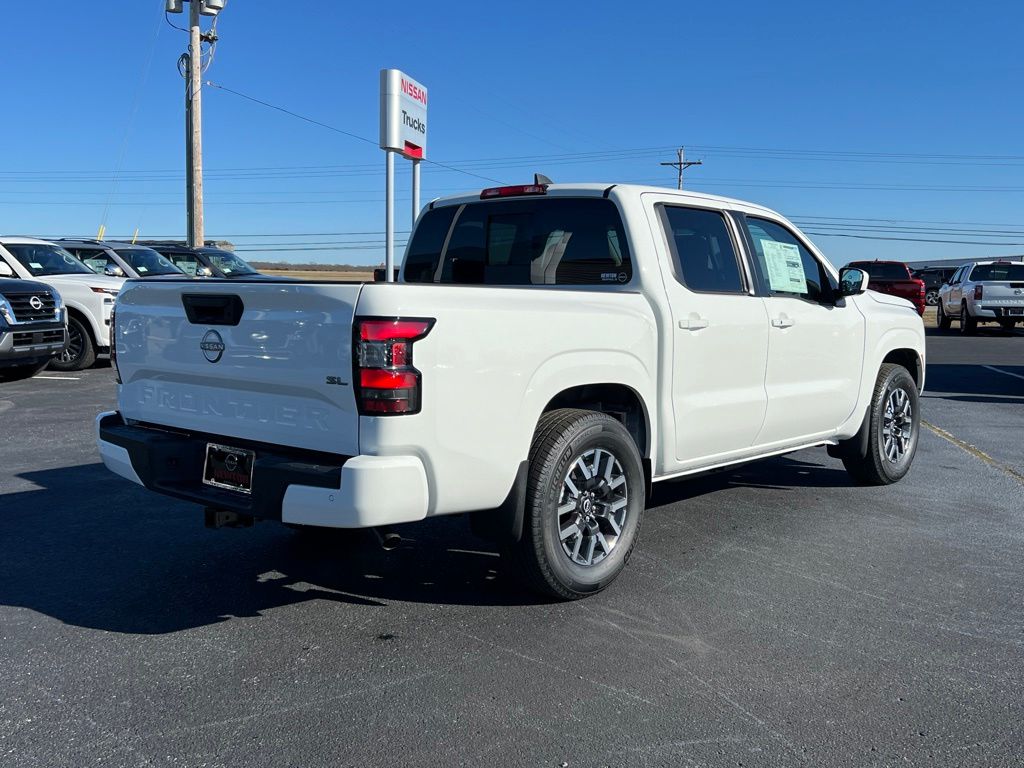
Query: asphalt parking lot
[[772, 615]]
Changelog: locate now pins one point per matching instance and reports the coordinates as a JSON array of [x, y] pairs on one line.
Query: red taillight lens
[[385, 381], [516, 191], [978, 292], [113, 344]]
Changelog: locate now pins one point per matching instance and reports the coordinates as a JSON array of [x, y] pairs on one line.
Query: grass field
[[323, 274]]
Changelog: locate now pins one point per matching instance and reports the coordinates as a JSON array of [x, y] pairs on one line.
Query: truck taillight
[[978, 292], [113, 344], [386, 384]]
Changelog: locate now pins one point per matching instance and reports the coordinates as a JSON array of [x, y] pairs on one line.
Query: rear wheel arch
[[617, 400], [620, 401]]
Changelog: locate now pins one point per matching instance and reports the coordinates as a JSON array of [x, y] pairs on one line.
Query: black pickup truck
[[33, 327]]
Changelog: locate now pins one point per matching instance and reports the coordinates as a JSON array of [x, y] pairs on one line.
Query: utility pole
[[191, 67], [681, 164], [196, 237]]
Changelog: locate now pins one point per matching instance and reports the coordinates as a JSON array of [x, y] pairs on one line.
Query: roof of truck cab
[[599, 189]]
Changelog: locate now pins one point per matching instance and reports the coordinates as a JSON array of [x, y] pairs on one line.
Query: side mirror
[[112, 270], [5, 269], [852, 281]]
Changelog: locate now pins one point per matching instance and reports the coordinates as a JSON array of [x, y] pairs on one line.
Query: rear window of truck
[[546, 241], [880, 270], [983, 272]]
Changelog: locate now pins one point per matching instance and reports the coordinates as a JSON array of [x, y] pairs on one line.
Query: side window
[[702, 250], [93, 258], [786, 267], [955, 279], [578, 242], [186, 262]]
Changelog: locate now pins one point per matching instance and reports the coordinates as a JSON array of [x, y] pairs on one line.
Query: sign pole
[[415, 190], [403, 130], [389, 219]]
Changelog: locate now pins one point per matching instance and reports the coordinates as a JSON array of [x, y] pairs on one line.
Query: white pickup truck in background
[[547, 353], [983, 292]]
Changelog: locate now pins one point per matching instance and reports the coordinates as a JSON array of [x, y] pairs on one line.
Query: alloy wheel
[[75, 345], [897, 425], [592, 506]]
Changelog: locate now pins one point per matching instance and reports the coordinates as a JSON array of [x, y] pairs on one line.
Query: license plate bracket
[[228, 467]]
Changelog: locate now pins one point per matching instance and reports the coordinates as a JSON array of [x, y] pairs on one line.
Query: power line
[[912, 239], [339, 130]]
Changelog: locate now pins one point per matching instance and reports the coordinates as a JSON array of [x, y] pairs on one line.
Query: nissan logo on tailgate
[[212, 346]]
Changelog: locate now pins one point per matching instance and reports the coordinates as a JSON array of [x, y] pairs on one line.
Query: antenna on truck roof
[[540, 178]]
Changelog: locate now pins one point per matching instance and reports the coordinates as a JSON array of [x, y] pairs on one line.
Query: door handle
[[782, 321], [693, 323]]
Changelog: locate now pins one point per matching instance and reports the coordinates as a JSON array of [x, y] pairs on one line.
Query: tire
[[19, 372], [931, 298], [968, 324], [943, 320], [80, 352], [594, 454], [894, 406]]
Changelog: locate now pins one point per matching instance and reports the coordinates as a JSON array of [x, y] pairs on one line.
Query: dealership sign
[[403, 114]]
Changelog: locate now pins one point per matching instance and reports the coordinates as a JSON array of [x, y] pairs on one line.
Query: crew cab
[[33, 327], [894, 278], [88, 297], [983, 291], [547, 352]]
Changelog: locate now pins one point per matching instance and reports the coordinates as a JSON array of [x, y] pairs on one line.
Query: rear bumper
[[998, 312], [294, 486]]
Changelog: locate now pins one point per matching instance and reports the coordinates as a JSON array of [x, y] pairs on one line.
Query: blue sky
[[887, 120]]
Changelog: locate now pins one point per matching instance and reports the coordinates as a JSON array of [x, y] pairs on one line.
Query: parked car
[[88, 297], [548, 352], [120, 259], [983, 291], [205, 261], [934, 278], [894, 278], [33, 326]]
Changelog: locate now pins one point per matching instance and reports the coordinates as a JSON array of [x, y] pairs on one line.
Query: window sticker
[[785, 269], [142, 269], [96, 265], [35, 265], [188, 267]]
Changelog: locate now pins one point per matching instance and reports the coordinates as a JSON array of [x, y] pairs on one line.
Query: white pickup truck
[[983, 291], [547, 353]]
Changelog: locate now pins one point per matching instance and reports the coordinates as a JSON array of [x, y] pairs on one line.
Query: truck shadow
[[975, 383], [97, 552]]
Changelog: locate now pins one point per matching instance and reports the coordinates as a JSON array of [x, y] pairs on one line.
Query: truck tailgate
[[262, 361]]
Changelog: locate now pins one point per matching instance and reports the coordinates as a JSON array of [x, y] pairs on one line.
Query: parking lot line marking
[[1005, 373], [975, 451], [58, 378]]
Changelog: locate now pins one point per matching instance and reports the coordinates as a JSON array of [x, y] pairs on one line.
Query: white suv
[[89, 297], [983, 291]]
